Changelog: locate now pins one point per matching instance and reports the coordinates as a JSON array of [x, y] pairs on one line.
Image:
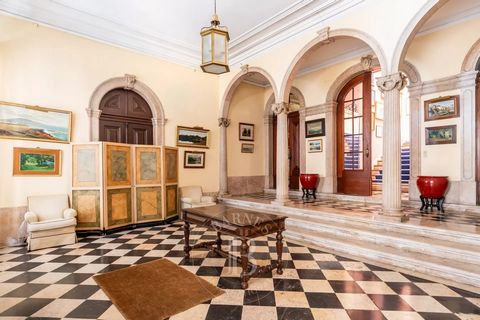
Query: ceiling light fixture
[[215, 46]]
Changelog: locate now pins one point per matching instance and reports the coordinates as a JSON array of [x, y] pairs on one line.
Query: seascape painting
[[34, 123], [315, 128]]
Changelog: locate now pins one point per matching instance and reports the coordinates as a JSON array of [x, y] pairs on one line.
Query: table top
[[234, 215]]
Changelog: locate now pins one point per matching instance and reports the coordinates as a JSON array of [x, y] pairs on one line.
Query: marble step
[[433, 266], [410, 243]]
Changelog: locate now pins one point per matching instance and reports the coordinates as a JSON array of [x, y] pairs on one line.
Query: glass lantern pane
[[207, 48], [219, 42]]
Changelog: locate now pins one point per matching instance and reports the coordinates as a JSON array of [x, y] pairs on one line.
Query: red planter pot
[[309, 180], [432, 186]]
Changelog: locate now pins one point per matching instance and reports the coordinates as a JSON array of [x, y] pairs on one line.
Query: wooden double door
[[354, 164], [293, 150], [126, 118]]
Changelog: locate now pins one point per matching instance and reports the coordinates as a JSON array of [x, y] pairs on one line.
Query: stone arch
[[472, 59], [406, 38], [325, 36], [236, 81], [127, 82]]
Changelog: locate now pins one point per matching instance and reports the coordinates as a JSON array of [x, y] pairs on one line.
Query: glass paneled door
[[354, 137]]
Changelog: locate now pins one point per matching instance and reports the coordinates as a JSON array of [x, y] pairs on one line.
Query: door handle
[[367, 152]]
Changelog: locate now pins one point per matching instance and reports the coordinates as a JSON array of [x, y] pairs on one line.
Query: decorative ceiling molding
[[298, 17]]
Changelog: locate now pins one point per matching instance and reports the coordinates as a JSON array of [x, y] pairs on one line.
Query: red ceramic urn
[[432, 186], [309, 180]]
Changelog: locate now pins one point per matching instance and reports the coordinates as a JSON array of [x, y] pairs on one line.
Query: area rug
[[155, 290]]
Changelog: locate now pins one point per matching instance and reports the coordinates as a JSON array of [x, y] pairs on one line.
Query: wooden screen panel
[[149, 203], [118, 165], [119, 206], [171, 201], [87, 204], [86, 166], [170, 165], [147, 165]]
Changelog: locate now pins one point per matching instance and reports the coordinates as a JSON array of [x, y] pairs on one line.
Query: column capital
[[159, 121], [393, 81], [281, 107], [93, 113], [223, 122]]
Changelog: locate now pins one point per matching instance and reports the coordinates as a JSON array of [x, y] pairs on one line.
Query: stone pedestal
[[391, 86]]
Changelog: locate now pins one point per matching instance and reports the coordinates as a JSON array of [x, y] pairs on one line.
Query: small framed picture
[[378, 131], [36, 162], [245, 131], [315, 128], [442, 108], [247, 147], [441, 135], [193, 137], [194, 159], [315, 145]]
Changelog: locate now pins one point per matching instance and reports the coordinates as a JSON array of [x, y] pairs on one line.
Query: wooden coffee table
[[239, 223]]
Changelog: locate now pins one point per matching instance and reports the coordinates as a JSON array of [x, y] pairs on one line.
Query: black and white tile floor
[[57, 282]]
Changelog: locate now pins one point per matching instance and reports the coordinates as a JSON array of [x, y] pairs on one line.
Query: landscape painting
[[315, 128], [442, 108], [192, 137], [193, 159], [34, 123], [441, 135], [35, 161]]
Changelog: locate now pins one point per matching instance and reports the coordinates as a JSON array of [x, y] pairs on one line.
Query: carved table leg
[[187, 248], [441, 201], [219, 241], [423, 203], [279, 252], [244, 259]]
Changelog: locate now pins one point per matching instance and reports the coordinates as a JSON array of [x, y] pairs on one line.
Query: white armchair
[[192, 197], [50, 222]]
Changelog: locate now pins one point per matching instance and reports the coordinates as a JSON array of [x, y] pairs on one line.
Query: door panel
[[139, 134], [354, 137], [294, 149], [112, 131], [137, 107]]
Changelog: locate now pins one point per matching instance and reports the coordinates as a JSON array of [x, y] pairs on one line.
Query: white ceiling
[[170, 29]]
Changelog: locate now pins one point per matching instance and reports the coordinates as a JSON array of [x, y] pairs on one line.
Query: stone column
[[94, 116], [391, 86], [268, 152], [223, 123], [158, 132], [415, 140], [303, 141], [281, 110]]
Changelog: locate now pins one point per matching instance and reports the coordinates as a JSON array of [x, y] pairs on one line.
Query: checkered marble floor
[[57, 283], [460, 218]]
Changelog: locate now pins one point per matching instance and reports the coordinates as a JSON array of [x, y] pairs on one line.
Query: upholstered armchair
[[50, 222], [192, 197]]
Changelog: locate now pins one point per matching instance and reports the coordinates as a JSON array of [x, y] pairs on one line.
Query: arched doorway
[[126, 118], [353, 137]]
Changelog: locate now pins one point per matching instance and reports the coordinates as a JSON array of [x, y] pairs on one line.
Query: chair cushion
[[48, 207], [51, 224], [202, 204], [192, 192]]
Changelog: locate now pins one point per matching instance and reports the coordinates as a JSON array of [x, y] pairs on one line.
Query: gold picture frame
[[195, 137], [26, 122], [37, 162]]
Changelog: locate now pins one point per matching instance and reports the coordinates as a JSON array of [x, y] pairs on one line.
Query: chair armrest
[[30, 217], [207, 199], [69, 213], [186, 200]]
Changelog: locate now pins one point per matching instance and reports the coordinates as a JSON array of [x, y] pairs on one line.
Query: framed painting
[[315, 128], [193, 137], [245, 131], [18, 121], [193, 159], [441, 135], [248, 147], [36, 162], [315, 145], [442, 108]]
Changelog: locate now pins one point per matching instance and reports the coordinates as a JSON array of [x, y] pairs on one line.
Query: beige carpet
[[155, 290]]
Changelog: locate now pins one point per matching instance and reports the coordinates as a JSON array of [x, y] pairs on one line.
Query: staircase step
[[440, 267]]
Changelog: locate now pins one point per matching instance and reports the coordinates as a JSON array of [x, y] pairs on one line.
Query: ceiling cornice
[[300, 16]]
